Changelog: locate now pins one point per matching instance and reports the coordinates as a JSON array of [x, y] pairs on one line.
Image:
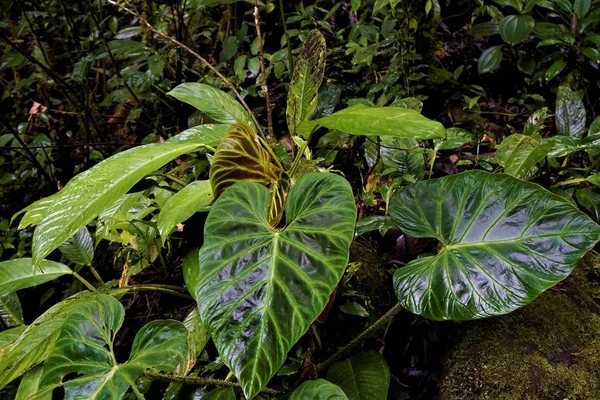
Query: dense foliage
[[185, 185]]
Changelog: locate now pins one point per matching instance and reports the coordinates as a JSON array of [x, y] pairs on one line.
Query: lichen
[[547, 350]]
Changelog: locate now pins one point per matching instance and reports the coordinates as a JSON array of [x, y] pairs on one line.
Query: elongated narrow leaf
[[213, 102], [207, 134], [35, 343], [260, 288], [241, 158], [318, 390], [182, 205], [35, 211], [570, 113], [21, 273], [90, 192], [502, 242], [520, 153], [84, 346], [380, 121], [308, 75], [79, 248], [11, 312], [198, 337], [30, 385], [10, 336], [516, 28], [365, 376]]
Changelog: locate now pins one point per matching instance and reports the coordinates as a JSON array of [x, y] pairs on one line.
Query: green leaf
[[591, 53], [372, 223], [328, 99], [260, 288], [197, 339], [79, 249], [589, 199], [555, 69], [455, 137], [581, 7], [318, 390], [516, 4], [570, 113], [365, 376], [35, 211], [213, 102], [526, 64], [518, 154], [182, 205], [21, 273], [9, 336], [84, 346], [11, 313], [241, 158], [353, 308], [220, 394], [502, 243], [90, 192], [207, 134], [383, 121], [490, 59], [30, 385], [516, 28], [594, 127], [308, 75], [484, 29], [35, 343]]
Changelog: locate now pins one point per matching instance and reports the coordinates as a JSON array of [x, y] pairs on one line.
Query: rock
[[547, 350]]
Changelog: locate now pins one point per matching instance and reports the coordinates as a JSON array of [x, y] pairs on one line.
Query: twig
[[201, 382], [225, 81], [157, 288], [356, 342], [28, 151], [84, 281], [261, 54]]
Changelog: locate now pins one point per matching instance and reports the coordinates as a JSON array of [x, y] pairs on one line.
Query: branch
[[201, 382], [265, 87], [202, 60], [382, 322]]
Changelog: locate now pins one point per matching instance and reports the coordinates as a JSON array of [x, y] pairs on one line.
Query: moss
[[548, 350]]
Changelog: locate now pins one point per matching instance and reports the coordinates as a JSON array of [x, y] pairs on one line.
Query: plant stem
[[85, 282], [382, 322], [168, 289], [202, 60], [200, 381], [96, 274], [296, 162], [287, 38], [574, 181], [265, 87]]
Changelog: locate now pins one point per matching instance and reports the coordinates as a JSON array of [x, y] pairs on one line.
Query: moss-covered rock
[[548, 350]]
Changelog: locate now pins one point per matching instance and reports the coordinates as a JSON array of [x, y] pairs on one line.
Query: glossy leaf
[[484, 29], [308, 74], [555, 69], [182, 205], [30, 385], [35, 211], [380, 121], [510, 241], [516, 4], [241, 158], [20, 273], [516, 28], [455, 137], [36, 342], [213, 102], [581, 7], [518, 154], [79, 249], [9, 336], [260, 288], [207, 134], [570, 113], [220, 394], [490, 59], [197, 339], [90, 192], [84, 346], [365, 376], [11, 313], [318, 390], [589, 199]]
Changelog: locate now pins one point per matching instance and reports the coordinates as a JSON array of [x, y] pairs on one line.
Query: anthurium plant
[[276, 244]]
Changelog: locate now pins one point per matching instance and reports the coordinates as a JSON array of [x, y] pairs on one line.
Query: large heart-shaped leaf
[[21, 273], [90, 192], [502, 242], [215, 103], [308, 75], [84, 346], [182, 205], [259, 288], [365, 376], [241, 158], [516, 28], [35, 343], [570, 113], [379, 121], [318, 390]]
